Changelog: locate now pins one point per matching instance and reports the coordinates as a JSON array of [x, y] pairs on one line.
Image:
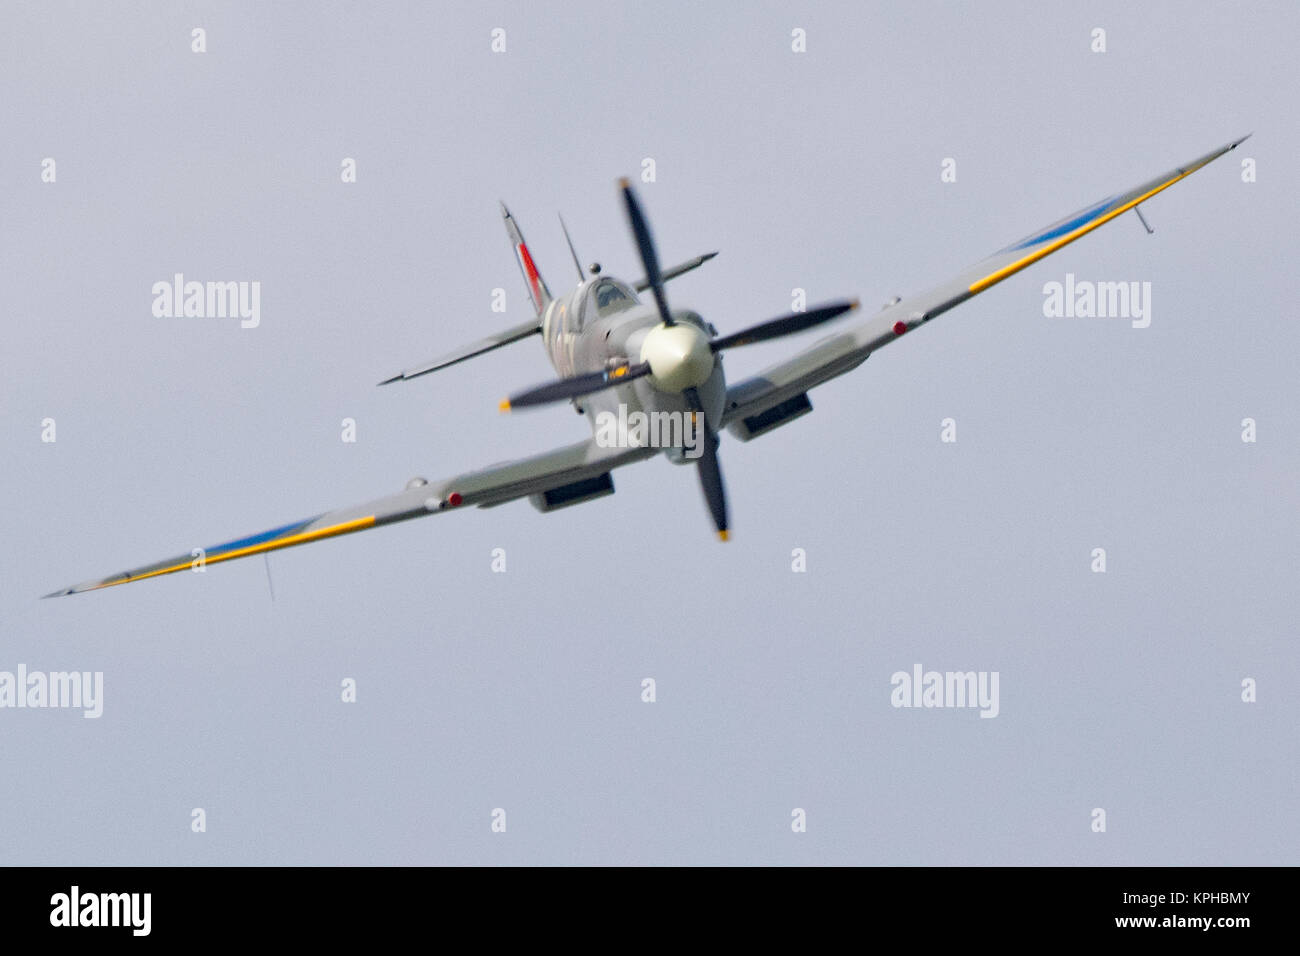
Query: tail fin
[[537, 290]]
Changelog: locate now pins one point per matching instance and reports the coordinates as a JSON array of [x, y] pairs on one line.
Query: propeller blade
[[646, 246], [709, 470], [576, 386], [785, 325]]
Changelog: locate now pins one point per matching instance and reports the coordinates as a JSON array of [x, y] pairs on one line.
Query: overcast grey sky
[[522, 690]]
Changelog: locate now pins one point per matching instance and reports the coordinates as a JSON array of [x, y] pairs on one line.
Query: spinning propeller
[[677, 358]]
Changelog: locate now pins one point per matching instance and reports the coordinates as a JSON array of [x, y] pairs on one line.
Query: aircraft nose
[[678, 355]]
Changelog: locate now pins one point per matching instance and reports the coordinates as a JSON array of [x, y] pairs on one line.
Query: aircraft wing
[[779, 391], [494, 485]]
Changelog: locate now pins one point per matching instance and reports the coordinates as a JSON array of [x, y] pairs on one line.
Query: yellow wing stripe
[[303, 538], [995, 277]]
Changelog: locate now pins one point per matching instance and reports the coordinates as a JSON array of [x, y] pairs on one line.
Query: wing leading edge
[[849, 348], [494, 485]]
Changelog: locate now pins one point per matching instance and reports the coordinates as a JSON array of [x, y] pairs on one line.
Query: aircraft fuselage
[[600, 324]]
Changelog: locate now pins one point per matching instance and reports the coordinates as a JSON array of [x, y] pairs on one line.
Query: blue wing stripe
[[1056, 230], [253, 539]]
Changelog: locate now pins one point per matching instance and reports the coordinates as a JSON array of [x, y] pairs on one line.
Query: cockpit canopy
[[606, 297]]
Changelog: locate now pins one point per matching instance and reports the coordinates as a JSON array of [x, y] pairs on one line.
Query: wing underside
[[490, 486], [850, 347]]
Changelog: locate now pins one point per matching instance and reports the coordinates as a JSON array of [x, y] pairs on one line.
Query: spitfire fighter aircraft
[[611, 350]]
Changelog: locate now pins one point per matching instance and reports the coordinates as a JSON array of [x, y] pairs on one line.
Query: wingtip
[[724, 535], [396, 378], [1243, 139], [505, 213], [61, 592], [623, 183], [504, 406]]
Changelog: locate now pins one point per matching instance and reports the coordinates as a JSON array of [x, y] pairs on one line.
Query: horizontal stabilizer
[[469, 351], [679, 269]]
